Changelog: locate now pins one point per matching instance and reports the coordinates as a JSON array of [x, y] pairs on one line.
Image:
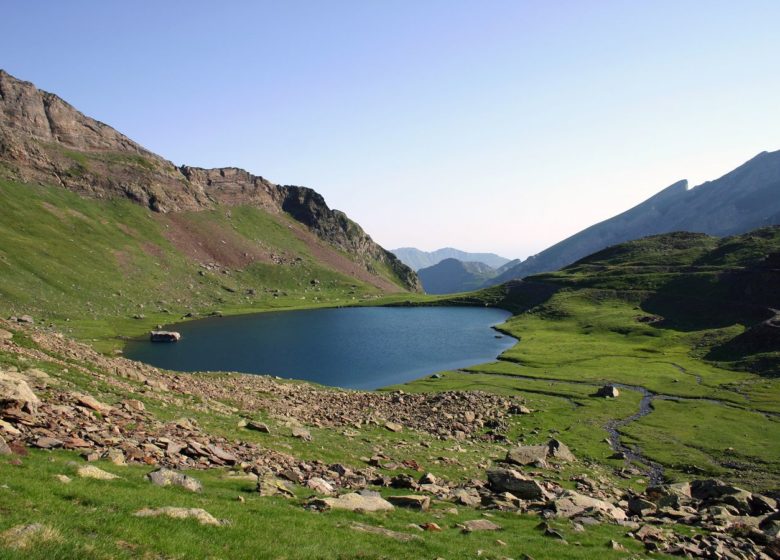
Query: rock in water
[[164, 336]]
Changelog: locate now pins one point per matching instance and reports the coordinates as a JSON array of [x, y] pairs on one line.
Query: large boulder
[[560, 451], [528, 455], [713, 491], [164, 336], [509, 480], [421, 503], [16, 397], [365, 502], [571, 504]]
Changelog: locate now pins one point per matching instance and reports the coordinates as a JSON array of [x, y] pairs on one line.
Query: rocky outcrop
[[43, 139]]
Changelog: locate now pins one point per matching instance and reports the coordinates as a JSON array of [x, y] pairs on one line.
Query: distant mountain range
[[452, 276], [417, 259], [742, 200]]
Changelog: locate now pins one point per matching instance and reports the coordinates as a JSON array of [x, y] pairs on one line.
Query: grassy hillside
[[681, 316], [680, 415], [97, 269]]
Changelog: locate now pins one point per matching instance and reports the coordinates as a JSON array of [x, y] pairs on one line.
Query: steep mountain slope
[[45, 140], [451, 276], [742, 200], [417, 259]]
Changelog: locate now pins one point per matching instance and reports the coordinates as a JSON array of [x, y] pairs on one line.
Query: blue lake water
[[358, 347]]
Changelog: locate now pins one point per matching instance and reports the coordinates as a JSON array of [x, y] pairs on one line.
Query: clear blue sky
[[490, 126]]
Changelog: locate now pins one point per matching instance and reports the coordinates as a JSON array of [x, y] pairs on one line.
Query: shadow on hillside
[[698, 301]]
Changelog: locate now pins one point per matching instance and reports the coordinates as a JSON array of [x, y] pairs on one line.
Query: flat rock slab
[[200, 515], [479, 525], [421, 503], [270, 485], [169, 477], [403, 537], [528, 455], [572, 504], [509, 480], [91, 471], [355, 502], [394, 427], [92, 403]]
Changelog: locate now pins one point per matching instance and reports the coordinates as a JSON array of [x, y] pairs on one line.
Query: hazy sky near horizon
[[500, 126]]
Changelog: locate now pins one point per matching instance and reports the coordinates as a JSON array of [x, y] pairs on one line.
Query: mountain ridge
[[744, 199], [46, 140], [452, 276], [417, 259]]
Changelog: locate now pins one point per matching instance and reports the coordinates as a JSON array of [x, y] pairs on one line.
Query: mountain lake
[[354, 347]]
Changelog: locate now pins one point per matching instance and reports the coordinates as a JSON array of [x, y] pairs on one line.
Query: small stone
[[301, 433], [259, 427], [403, 537], [63, 478], [269, 485], [169, 477], [92, 403], [116, 456], [47, 443], [479, 525], [91, 471], [614, 545], [320, 485], [394, 427], [4, 449], [200, 515], [133, 404]]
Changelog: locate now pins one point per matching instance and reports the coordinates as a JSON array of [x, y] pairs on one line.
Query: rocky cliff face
[[44, 139]]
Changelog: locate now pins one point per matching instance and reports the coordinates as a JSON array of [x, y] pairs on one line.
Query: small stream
[[654, 471]]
